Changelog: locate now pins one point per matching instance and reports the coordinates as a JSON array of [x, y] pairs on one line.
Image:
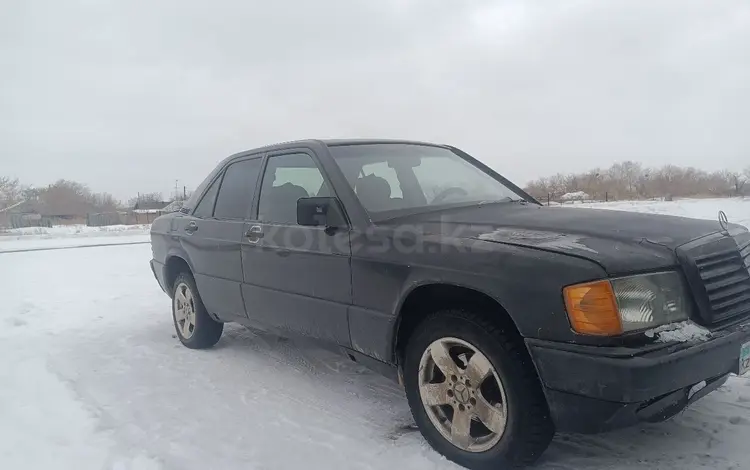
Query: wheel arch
[[428, 297], [174, 265]]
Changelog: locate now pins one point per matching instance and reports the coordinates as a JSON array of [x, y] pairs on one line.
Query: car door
[[213, 235], [296, 278]]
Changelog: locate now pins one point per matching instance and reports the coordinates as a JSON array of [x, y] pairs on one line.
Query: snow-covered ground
[[92, 377], [737, 209], [71, 236]]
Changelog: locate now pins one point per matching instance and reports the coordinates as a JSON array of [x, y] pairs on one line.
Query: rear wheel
[[474, 393], [195, 327]]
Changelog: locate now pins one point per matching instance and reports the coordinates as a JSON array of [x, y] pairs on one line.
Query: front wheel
[[195, 327], [474, 394]]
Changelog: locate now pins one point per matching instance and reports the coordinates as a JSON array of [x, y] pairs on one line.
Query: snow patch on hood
[[681, 332], [537, 238]]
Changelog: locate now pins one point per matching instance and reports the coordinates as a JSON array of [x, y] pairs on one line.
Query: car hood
[[621, 242]]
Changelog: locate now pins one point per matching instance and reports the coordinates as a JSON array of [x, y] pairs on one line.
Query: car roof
[[329, 143], [296, 143], [335, 142]]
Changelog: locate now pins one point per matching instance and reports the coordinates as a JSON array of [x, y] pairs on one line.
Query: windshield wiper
[[430, 210], [503, 200]]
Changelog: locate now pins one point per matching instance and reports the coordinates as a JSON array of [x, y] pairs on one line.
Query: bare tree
[[104, 202], [558, 184], [631, 180], [591, 183], [737, 181], [65, 197], [539, 189], [145, 198], [631, 171], [11, 191]]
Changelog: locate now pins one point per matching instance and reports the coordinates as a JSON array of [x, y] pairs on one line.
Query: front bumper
[[592, 389]]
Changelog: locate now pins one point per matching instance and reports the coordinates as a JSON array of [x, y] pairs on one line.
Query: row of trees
[[61, 197], [631, 180], [67, 197], [626, 180]]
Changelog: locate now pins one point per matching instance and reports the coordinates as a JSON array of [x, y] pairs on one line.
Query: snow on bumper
[[590, 389]]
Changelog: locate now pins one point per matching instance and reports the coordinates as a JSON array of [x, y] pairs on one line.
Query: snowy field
[[92, 377], [737, 209], [73, 236]]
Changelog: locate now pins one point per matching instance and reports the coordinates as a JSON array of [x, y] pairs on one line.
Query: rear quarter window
[[205, 207]]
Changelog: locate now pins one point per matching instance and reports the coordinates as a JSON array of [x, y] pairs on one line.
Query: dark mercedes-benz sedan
[[504, 320]]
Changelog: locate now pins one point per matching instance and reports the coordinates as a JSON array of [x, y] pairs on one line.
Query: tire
[[518, 410], [202, 331]]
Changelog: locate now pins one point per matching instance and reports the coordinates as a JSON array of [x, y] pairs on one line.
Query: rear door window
[[237, 189]]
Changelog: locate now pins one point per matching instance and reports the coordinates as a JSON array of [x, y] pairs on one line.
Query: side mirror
[[320, 212]]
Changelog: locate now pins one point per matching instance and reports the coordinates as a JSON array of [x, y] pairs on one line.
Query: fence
[[17, 220], [122, 218], [145, 217], [552, 199], [105, 218], [13, 219]]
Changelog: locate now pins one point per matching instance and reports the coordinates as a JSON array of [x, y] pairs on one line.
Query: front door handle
[[191, 228], [254, 234]]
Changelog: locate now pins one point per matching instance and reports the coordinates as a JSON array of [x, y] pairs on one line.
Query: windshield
[[390, 179]]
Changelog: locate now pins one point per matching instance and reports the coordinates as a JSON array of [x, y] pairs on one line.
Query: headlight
[[650, 300], [616, 306]]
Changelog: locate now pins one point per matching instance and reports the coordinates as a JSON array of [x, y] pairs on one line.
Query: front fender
[[527, 283]]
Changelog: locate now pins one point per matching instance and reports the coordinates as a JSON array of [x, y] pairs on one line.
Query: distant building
[[145, 212], [174, 206], [150, 206]]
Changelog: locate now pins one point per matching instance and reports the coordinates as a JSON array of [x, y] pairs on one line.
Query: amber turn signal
[[592, 309]]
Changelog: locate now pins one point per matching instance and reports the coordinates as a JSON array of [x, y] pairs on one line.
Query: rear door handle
[[254, 234], [191, 228]]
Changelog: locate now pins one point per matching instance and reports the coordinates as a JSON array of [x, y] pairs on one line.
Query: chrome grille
[[726, 278]]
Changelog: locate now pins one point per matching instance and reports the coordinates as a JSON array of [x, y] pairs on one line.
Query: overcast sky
[[131, 95]]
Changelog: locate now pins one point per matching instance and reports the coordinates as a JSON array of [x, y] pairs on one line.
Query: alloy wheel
[[184, 310], [463, 394]]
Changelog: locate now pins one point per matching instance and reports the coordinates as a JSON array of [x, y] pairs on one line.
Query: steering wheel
[[455, 191]]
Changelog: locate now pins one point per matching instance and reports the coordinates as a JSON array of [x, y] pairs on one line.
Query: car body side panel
[[161, 238], [214, 256], [159, 270], [319, 319], [165, 244], [370, 332], [224, 296], [297, 279], [176, 250], [385, 269]]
